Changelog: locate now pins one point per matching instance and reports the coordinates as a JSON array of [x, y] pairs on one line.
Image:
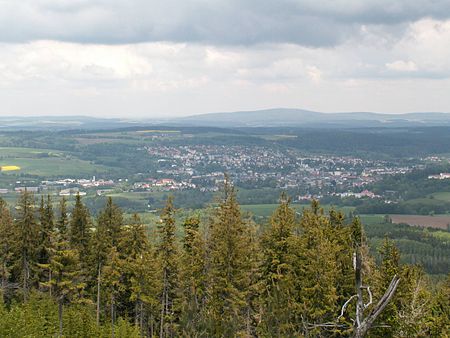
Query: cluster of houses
[[441, 176]]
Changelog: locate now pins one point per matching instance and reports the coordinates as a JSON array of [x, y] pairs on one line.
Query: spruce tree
[[66, 282], [276, 272], [145, 287], [229, 268], [6, 250], [134, 248], [46, 233], [107, 236], [312, 256], [26, 242], [62, 224], [389, 267], [111, 219], [80, 232], [168, 256], [192, 277], [112, 279]]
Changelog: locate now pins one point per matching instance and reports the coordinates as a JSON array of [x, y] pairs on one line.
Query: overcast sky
[[147, 58]]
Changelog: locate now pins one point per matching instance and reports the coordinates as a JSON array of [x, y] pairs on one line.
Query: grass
[[442, 196], [56, 167], [46, 162]]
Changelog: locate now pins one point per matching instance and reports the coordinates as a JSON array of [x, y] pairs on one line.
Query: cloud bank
[[153, 58]]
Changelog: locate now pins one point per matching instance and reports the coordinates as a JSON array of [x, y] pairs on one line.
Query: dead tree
[[363, 324]]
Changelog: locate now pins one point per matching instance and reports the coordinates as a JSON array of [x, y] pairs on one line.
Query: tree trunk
[[163, 305], [136, 312], [50, 282], [112, 316], [358, 284], [141, 318], [363, 325], [25, 279], [60, 316], [98, 294]]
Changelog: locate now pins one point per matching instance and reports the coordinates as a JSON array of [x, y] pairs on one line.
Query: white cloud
[[383, 66], [402, 66]]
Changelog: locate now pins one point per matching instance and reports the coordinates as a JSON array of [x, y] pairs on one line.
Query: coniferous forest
[[65, 273]]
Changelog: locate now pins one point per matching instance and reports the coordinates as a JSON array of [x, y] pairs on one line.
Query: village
[[202, 167]]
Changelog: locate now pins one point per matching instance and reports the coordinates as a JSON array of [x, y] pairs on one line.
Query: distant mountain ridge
[[281, 117], [276, 117]]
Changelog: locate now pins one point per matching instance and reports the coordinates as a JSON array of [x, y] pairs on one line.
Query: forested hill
[[279, 117], [65, 273]]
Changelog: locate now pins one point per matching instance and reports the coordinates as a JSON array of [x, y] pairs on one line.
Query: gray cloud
[[219, 22]]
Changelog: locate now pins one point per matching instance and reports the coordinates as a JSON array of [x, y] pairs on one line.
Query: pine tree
[[26, 241], [313, 260], [340, 235], [134, 248], [111, 218], [413, 303], [134, 241], [66, 282], [6, 250], [145, 286], [46, 233], [100, 248], [192, 277], [168, 256], [276, 275], [80, 232], [229, 268], [112, 279], [62, 224], [106, 237], [389, 267], [439, 320]]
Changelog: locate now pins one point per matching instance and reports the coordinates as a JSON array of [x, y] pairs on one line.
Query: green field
[[48, 163], [443, 196]]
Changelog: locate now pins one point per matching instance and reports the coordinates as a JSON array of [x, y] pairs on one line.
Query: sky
[[152, 59]]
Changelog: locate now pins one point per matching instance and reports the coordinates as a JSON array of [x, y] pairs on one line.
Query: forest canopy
[[66, 273]]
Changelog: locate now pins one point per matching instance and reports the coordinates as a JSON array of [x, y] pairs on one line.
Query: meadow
[[47, 163]]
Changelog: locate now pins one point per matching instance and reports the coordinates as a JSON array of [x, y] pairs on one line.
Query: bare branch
[[370, 298], [345, 306], [362, 328]]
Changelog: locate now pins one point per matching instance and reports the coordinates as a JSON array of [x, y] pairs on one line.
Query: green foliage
[[222, 279], [168, 257], [230, 262]]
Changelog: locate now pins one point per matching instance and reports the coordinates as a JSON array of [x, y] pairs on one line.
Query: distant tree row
[[64, 273]]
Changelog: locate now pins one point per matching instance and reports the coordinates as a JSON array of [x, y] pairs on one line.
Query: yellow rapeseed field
[[9, 168]]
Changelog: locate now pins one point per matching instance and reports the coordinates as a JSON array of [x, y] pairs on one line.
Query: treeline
[[67, 274], [372, 142], [417, 245]]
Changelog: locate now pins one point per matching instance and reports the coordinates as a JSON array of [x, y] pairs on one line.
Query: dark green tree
[[80, 230], [26, 241], [276, 272], [192, 277], [229, 268], [6, 250], [168, 256]]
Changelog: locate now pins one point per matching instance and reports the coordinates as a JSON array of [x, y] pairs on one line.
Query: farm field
[[443, 196], [46, 162], [439, 222], [55, 166]]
